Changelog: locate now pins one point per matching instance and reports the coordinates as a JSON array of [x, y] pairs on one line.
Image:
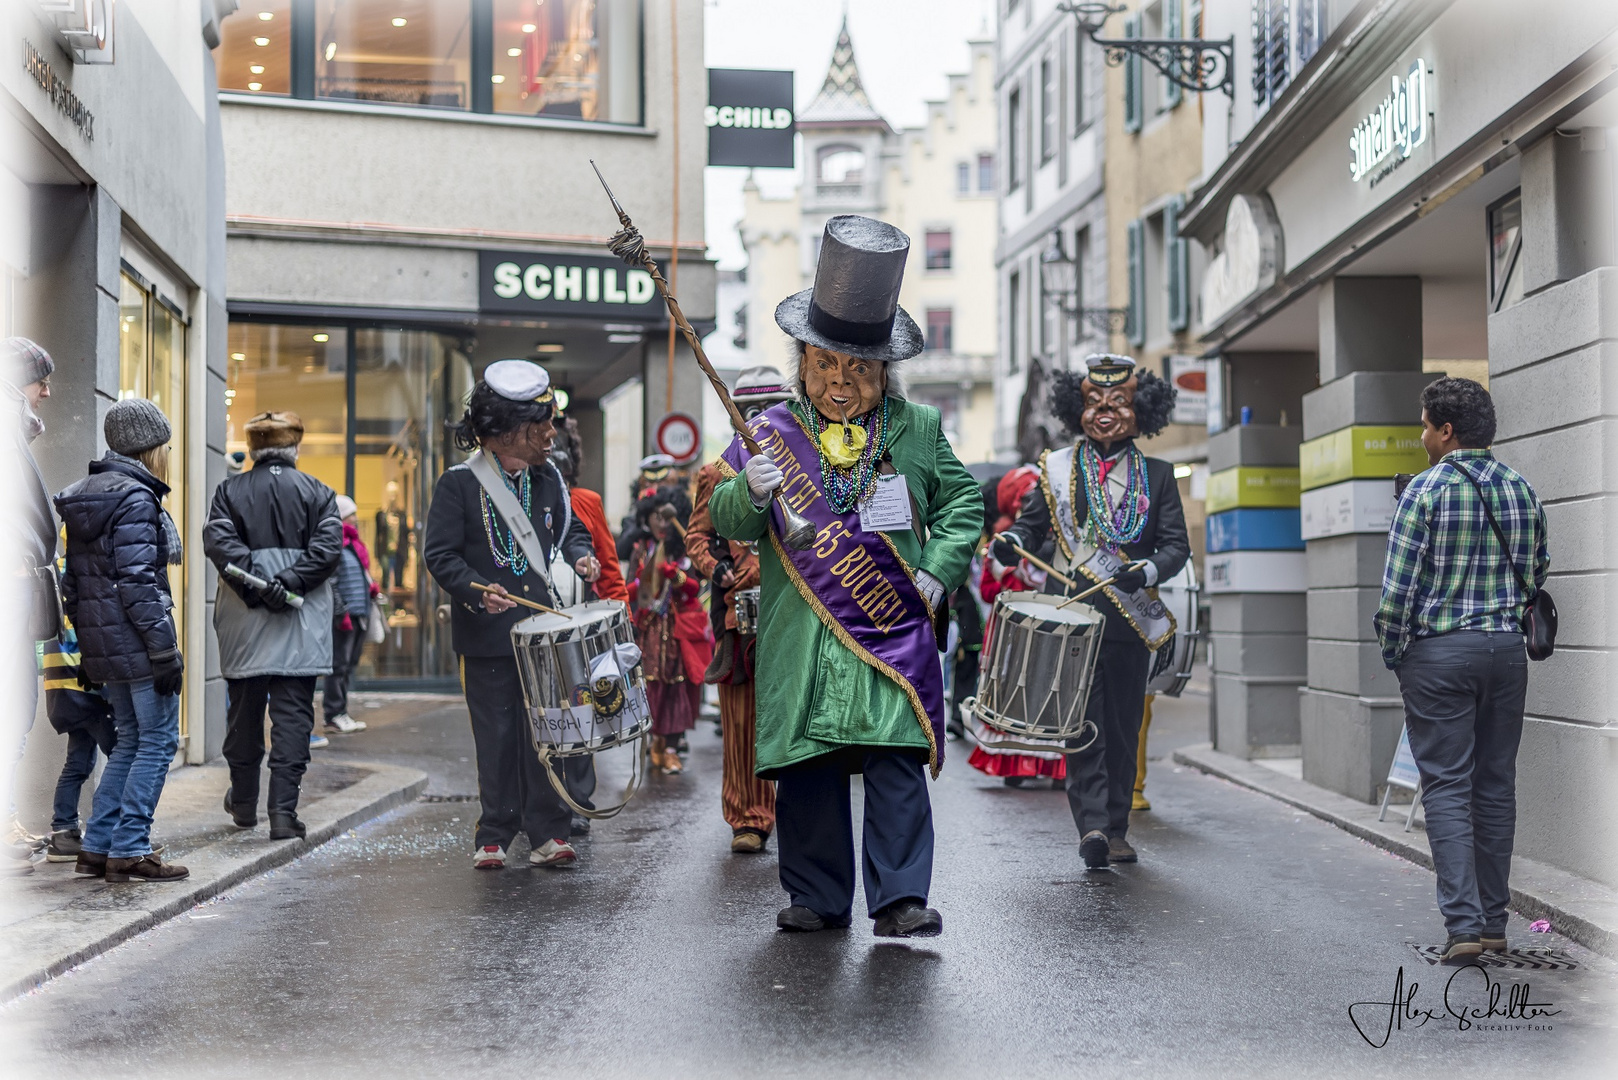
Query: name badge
[[887, 508]]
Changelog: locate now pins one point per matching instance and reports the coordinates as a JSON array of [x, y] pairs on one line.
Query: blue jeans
[[1463, 694], [80, 763], [148, 735]]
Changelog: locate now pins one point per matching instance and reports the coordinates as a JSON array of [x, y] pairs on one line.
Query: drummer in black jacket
[[509, 419], [1143, 527]]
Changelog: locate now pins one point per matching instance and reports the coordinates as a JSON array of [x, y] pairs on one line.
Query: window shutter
[[1133, 106], [1178, 251], [1136, 327], [1172, 91]]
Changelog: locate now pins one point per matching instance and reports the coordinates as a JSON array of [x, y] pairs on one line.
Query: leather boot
[[144, 868], [243, 817], [286, 826], [90, 864]]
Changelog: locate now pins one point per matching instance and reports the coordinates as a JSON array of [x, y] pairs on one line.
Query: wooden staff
[[516, 599]]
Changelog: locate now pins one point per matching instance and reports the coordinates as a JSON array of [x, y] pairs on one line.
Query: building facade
[[1402, 189], [411, 197], [112, 221], [937, 183]]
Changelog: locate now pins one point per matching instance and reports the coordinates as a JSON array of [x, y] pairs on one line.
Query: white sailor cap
[[520, 380], [655, 465]]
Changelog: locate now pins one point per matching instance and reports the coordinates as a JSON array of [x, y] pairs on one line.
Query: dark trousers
[[346, 646], [290, 700], [512, 788], [579, 777], [1463, 694], [815, 829], [82, 744], [1101, 778]]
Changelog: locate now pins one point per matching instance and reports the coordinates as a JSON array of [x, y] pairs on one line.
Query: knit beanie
[[135, 425], [23, 361], [274, 429]]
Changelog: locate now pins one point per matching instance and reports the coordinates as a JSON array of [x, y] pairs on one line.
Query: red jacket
[[587, 508]]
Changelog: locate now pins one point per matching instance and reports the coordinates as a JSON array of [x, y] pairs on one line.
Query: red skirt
[[674, 706], [1017, 764]]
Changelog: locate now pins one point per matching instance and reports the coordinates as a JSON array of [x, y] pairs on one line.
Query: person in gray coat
[[281, 526]]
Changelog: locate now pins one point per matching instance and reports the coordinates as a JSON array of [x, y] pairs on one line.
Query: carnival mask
[[840, 385], [1109, 412]]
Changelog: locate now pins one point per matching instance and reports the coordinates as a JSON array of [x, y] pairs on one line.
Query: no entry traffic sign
[[679, 437]]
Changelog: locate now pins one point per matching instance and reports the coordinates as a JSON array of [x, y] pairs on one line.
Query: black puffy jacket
[[116, 585]]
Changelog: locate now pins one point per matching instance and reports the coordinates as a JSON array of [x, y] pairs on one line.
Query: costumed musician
[[1116, 514], [748, 803], [469, 541], [849, 679]]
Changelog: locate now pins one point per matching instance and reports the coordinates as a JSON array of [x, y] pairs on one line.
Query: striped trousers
[[747, 801]]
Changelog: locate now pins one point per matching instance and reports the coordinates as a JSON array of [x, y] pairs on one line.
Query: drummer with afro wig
[[1116, 516]]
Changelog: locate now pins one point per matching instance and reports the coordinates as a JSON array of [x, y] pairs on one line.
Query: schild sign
[[749, 118], [547, 283], [679, 436]]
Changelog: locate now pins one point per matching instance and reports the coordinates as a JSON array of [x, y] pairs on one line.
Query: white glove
[[763, 477], [931, 588]]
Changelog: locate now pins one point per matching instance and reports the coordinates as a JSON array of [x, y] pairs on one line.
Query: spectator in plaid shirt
[[1450, 624]]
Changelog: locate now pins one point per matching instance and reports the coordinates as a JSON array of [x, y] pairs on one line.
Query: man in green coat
[[848, 676]]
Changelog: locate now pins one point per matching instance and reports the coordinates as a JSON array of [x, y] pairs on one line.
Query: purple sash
[[853, 580]]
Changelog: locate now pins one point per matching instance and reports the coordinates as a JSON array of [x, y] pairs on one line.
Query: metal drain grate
[[1513, 959]]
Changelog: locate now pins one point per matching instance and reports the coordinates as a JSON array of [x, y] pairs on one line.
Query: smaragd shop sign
[[1392, 131], [586, 286]]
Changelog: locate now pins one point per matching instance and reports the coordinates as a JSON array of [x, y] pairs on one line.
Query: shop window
[[255, 49], [405, 52], [939, 249], [985, 173], [1505, 252], [576, 59], [302, 369], [940, 329]]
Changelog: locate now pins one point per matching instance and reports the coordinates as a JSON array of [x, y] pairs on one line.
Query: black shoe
[[1118, 850], [65, 846], [681, 744], [243, 817], [908, 919], [801, 920], [1095, 849], [580, 826], [1461, 948], [286, 826]]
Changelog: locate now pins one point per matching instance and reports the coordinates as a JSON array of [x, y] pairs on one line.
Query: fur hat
[[274, 429], [134, 425]]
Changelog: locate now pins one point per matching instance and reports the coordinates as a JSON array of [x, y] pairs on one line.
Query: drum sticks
[[515, 599], [1069, 582]]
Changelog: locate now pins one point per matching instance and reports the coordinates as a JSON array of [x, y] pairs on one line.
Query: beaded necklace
[[1107, 525], [845, 487], [502, 544]]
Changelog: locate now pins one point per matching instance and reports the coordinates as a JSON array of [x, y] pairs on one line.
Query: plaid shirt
[[1445, 571]]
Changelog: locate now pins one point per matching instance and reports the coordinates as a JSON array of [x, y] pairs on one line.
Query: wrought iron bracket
[[1192, 63], [1105, 320]]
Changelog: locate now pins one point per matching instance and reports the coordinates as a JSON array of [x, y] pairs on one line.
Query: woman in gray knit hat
[[120, 544]]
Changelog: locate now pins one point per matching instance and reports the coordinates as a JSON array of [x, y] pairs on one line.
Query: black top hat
[[854, 305]]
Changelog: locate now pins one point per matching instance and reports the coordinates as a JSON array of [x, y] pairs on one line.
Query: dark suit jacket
[[1164, 540], [456, 551]]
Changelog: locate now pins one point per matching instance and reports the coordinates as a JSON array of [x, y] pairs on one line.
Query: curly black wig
[[489, 415], [567, 449], [668, 495], [1465, 405], [1154, 401]]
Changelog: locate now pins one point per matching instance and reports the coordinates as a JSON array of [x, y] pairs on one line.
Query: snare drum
[[746, 605], [1171, 664], [581, 679], [1037, 670]]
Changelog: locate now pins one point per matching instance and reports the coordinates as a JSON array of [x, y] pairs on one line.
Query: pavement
[[1236, 947]]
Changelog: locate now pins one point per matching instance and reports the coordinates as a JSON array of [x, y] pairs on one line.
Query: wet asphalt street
[[1234, 948]]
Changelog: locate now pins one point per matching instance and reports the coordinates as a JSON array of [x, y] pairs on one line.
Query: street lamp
[[1059, 282], [1194, 64]]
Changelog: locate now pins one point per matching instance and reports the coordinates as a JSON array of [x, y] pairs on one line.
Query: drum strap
[[520, 524]]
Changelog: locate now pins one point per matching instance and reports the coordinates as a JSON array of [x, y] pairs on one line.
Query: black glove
[[721, 568], [274, 595], [168, 672], [1129, 581], [1003, 550]]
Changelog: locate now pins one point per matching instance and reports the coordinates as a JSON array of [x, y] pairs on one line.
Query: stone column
[[1360, 428]]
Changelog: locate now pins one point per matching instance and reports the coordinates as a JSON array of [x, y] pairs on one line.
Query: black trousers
[[814, 826], [290, 700], [1101, 778], [512, 788], [346, 646]]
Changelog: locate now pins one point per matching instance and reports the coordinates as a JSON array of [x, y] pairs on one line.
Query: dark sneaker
[[243, 817], [798, 919], [144, 868], [1095, 849], [90, 864], [1118, 850], [580, 826], [1493, 942], [286, 826], [908, 919], [1460, 948], [65, 846]]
